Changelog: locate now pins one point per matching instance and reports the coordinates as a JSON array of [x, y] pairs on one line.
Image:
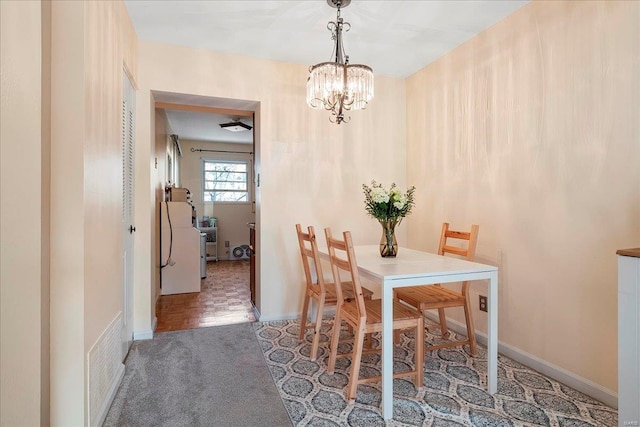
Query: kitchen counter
[[635, 252]]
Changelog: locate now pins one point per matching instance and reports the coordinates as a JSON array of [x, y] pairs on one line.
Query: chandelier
[[339, 86]]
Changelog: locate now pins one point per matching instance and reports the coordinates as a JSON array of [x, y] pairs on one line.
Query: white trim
[[331, 310], [290, 316], [143, 335], [113, 389], [555, 372], [148, 334]]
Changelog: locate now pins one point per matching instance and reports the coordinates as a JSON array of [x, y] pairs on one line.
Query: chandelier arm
[[330, 106]]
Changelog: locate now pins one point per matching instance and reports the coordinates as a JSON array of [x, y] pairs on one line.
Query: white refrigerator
[[179, 249]]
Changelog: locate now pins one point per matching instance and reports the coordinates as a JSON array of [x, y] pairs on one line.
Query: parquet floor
[[225, 299]]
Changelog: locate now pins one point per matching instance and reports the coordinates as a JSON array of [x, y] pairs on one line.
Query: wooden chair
[[324, 293], [436, 297], [365, 316]]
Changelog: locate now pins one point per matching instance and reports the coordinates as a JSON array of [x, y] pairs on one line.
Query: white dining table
[[410, 268]]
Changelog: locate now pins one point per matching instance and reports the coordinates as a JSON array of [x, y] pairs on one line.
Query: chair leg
[[443, 323], [316, 331], [471, 331], [358, 343], [303, 317], [419, 354], [335, 338], [368, 341]]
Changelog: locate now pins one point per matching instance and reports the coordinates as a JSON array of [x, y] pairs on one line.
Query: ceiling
[[395, 37], [205, 126], [200, 126]]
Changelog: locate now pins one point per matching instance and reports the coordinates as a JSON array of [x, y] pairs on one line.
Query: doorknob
[[132, 229]]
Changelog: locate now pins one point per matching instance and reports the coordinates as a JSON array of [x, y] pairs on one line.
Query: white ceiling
[[199, 126], [394, 37]]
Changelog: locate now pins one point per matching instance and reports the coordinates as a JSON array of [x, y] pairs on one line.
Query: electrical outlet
[[483, 303], [226, 243]]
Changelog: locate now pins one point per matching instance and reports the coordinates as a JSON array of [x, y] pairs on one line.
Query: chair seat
[[423, 297], [401, 313], [331, 298]]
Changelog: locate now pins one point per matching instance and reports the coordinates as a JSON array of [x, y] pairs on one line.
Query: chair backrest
[[343, 259], [309, 251], [471, 237]]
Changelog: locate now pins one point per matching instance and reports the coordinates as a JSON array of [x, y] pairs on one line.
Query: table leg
[[492, 340], [387, 350]]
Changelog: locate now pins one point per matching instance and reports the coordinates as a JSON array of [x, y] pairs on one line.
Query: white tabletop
[[410, 263]]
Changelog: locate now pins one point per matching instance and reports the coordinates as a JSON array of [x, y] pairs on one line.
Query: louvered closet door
[[128, 228]]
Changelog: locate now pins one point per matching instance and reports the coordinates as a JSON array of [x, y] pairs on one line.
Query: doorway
[[212, 162]]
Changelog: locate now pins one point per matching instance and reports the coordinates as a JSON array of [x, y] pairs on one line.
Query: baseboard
[[289, 316], [143, 335], [146, 334], [331, 311], [113, 389], [562, 375]]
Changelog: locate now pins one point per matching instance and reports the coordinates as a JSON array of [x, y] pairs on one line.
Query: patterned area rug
[[454, 393]]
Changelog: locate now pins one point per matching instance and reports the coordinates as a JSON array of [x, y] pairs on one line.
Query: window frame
[[246, 162]]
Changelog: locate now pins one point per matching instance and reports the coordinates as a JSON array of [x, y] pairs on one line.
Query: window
[[225, 181]]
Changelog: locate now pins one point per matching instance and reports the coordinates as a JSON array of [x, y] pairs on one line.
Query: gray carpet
[[454, 393], [200, 377]]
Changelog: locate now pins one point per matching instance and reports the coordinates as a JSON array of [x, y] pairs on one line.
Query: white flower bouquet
[[386, 205], [389, 208]]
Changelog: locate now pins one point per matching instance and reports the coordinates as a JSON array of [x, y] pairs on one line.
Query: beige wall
[[232, 218], [91, 44], [531, 130], [67, 213], [24, 213], [311, 171]]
